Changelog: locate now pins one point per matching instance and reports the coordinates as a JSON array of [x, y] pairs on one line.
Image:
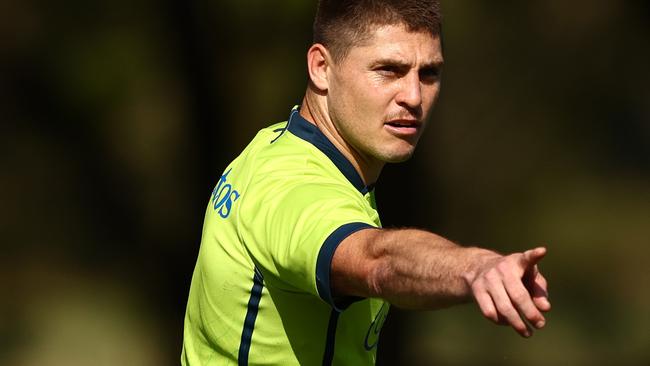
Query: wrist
[[478, 259]]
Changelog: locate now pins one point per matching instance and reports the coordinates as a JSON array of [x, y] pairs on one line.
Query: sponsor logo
[[372, 336], [224, 196]]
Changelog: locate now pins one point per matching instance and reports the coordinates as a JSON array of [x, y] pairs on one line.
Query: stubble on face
[[382, 92]]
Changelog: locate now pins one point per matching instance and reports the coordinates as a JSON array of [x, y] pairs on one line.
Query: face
[[380, 95]]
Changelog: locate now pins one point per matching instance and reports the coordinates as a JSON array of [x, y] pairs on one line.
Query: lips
[[403, 123], [403, 127]]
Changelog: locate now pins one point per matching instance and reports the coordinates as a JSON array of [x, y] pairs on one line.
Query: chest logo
[[372, 336], [223, 196]]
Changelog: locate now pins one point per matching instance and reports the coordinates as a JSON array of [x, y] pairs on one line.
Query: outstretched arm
[[416, 269]]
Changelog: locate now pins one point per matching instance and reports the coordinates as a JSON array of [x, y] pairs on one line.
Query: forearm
[[415, 269]]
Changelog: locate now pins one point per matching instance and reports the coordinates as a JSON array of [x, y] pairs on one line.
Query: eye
[[429, 74], [389, 70]]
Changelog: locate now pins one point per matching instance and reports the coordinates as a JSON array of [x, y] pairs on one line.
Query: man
[[294, 267]]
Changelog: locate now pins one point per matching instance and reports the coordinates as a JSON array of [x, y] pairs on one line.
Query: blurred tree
[[117, 117]]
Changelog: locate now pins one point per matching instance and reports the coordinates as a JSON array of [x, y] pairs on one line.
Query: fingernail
[[540, 324]]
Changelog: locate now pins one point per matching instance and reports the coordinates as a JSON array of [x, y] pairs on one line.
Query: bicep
[[353, 264]]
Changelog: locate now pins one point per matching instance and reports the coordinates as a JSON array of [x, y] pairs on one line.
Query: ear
[[318, 62]]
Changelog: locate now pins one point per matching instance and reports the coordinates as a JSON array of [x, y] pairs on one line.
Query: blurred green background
[[117, 118]]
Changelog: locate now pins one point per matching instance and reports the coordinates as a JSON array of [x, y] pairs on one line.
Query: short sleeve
[[292, 235]]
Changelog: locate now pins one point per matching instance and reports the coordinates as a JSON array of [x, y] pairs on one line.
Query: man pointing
[[294, 266]]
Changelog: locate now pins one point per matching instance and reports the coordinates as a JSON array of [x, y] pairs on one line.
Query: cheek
[[372, 101], [360, 102], [430, 98]]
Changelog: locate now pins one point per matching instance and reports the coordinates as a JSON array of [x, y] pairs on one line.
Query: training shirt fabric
[[260, 292]]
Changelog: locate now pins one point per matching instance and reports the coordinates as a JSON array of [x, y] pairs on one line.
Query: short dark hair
[[340, 24]]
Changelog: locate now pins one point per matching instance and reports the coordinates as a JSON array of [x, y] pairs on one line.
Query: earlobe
[[317, 64]]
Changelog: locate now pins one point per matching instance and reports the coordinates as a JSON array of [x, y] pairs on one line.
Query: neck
[[314, 109]]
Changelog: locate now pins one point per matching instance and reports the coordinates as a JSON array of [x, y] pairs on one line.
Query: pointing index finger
[[532, 256]]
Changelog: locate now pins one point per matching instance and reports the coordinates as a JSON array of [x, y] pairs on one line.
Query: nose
[[410, 93]]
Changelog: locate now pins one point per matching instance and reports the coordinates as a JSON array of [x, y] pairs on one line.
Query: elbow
[[378, 270]]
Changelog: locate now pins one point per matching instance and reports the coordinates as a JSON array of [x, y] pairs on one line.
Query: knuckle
[[479, 290], [533, 316], [537, 316], [542, 281], [513, 318], [492, 276], [518, 325], [511, 314], [478, 286], [520, 297], [530, 311], [491, 314], [504, 267]]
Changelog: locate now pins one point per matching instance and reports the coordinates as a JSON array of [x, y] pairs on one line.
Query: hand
[[511, 291]]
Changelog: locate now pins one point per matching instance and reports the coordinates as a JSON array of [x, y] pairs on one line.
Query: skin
[[373, 105], [391, 78]]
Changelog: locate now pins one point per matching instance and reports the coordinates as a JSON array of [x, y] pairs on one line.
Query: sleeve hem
[[324, 263]]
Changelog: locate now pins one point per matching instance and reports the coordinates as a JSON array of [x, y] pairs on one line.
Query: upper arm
[[354, 265]]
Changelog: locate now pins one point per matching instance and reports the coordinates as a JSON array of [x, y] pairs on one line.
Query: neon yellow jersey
[[260, 292]]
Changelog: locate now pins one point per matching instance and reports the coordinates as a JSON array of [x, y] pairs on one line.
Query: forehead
[[396, 42]]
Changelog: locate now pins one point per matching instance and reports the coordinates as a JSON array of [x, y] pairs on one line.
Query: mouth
[[403, 127]]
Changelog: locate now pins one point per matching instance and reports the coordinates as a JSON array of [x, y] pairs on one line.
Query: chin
[[397, 157]]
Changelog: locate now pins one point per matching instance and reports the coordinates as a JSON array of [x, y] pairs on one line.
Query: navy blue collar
[[307, 131]]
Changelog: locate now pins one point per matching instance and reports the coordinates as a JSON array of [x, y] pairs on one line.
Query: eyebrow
[[400, 64]]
